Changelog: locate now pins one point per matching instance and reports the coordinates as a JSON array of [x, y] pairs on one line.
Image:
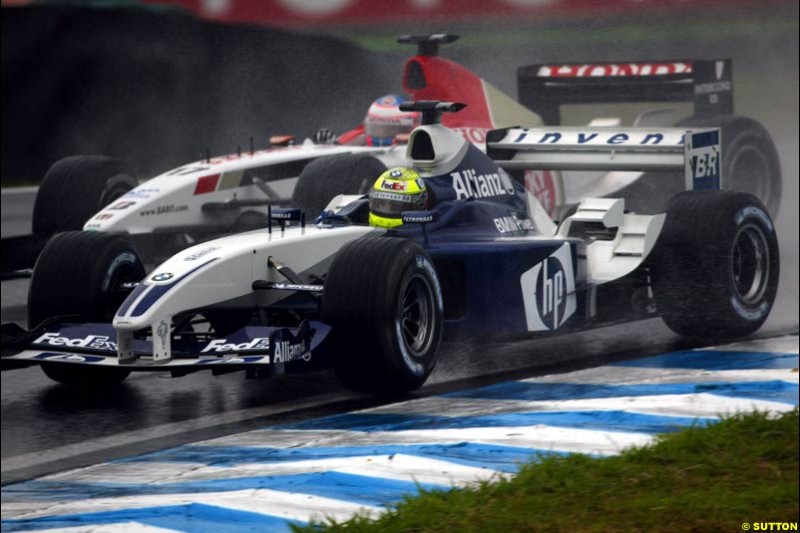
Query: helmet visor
[[386, 131], [392, 204]]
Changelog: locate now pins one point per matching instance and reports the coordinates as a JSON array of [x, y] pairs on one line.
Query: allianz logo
[[285, 352], [469, 184]]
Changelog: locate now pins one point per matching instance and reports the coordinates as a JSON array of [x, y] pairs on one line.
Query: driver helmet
[[384, 120], [396, 190]]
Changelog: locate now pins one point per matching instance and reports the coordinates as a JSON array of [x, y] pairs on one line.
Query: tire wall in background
[[156, 87]]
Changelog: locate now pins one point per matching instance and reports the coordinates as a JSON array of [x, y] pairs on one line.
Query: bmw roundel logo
[[164, 276], [396, 173]]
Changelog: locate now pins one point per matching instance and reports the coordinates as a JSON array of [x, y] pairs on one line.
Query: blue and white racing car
[[483, 261]]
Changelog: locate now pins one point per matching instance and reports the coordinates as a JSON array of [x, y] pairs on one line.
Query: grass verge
[[714, 478]]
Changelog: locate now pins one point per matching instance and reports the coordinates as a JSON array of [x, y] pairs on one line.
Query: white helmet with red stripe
[[384, 120]]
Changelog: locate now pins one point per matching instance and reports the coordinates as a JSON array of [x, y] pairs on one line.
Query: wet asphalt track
[[46, 427], [150, 411]]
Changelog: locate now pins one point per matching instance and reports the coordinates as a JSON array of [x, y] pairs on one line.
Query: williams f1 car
[[483, 261], [229, 194]]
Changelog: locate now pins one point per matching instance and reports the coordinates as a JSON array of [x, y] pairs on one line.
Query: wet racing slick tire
[[74, 189], [715, 265], [750, 164], [383, 301], [329, 176], [82, 276]]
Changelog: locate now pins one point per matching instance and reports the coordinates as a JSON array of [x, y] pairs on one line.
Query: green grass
[[743, 469]]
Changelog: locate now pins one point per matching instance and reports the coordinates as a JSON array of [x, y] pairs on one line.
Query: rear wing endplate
[[544, 88], [696, 151]]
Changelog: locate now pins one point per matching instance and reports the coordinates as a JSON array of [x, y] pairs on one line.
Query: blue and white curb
[[367, 460]]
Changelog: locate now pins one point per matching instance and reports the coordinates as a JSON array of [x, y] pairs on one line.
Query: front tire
[[383, 302], [83, 275], [716, 265], [74, 189]]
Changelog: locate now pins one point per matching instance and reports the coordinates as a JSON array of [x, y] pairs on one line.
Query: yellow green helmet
[[396, 190]]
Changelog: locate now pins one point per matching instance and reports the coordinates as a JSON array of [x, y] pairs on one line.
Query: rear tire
[[716, 265], [81, 274], [326, 177], [750, 164], [383, 302], [74, 189]]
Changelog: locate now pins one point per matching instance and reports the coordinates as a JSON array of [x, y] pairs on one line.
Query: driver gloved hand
[[324, 136]]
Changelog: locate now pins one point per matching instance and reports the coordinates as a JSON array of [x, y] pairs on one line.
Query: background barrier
[[156, 88], [368, 13]]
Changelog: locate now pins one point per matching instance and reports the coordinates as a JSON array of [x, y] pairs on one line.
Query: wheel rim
[[750, 265], [416, 316]]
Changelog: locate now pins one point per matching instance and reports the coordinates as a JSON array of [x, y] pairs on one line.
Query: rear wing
[[696, 151], [708, 84]]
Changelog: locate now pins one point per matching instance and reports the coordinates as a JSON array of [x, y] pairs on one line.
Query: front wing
[[261, 350]]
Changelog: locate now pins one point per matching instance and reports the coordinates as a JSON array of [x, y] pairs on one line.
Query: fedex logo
[[94, 342], [393, 185], [222, 345]]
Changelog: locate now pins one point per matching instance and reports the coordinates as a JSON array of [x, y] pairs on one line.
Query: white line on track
[[784, 344], [127, 527], [622, 375], [289, 505], [684, 405], [540, 437], [397, 466]]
